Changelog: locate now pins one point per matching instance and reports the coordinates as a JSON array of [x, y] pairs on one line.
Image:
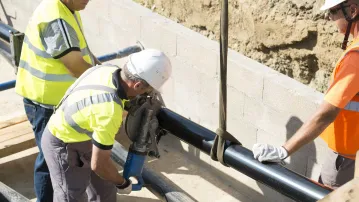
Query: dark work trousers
[[71, 174], [38, 116], [337, 170]]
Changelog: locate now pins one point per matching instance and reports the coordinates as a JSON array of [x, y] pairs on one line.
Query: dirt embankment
[[290, 36]]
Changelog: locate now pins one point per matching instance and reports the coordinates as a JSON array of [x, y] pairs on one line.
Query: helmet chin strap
[[347, 32], [350, 22]]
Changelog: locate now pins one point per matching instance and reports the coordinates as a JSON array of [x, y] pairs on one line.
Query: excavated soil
[[290, 36]]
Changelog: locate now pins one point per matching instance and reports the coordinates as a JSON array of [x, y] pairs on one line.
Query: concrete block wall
[[263, 105]]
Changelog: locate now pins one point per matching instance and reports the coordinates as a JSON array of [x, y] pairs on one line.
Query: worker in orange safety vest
[[337, 118]]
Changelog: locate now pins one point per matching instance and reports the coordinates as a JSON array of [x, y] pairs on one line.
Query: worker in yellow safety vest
[[337, 118], [78, 139], [54, 54]]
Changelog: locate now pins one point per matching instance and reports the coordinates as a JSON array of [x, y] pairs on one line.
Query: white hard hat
[[330, 3], [151, 65]]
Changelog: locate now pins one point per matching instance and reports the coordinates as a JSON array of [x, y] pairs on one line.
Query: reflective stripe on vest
[[352, 106], [41, 78], [44, 54], [45, 76], [86, 102], [70, 110]]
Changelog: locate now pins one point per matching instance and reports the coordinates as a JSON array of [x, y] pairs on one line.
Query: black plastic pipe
[[277, 177], [160, 187]]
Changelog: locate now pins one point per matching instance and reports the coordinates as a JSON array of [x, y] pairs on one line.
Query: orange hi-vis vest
[[342, 136]]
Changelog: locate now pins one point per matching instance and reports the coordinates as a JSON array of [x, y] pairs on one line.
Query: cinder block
[[7, 12], [140, 10], [99, 8], [116, 36], [269, 138], [100, 46], [118, 2], [24, 5], [253, 65], [286, 95], [245, 132], [245, 79], [167, 93], [202, 58], [186, 101], [183, 72], [22, 18], [91, 24], [126, 19], [270, 120], [155, 35], [208, 102], [235, 104]]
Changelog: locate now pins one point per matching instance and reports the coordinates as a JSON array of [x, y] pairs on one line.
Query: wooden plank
[[5, 138], [347, 192], [7, 123], [15, 131], [16, 145]]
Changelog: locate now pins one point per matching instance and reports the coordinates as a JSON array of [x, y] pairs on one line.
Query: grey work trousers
[[337, 170], [70, 170]]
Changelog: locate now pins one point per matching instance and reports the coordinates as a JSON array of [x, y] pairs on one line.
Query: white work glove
[[269, 153], [124, 188]]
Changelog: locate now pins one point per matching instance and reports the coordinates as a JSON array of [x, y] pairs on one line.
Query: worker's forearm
[[109, 172], [81, 68], [307, 133]]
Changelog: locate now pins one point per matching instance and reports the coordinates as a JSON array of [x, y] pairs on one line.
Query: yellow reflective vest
[[91, 109], [40, 77]]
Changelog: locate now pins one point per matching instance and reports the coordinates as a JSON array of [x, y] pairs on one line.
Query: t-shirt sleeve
[[345, 84], [105, 127], [59, 38]]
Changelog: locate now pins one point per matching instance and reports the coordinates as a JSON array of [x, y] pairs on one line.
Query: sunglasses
[[335, 10]]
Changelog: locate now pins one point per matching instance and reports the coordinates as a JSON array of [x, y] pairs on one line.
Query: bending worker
[[54, 54], [337, 118], [78, 139]]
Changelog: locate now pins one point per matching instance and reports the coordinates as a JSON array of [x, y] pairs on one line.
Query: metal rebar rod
[[5, 31], [7, 85], [277, 177], [121, 53], [9, 195], [163, 189]]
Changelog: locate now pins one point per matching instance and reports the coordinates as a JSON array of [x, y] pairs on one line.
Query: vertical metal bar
[[5, 31], [223, 67]]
